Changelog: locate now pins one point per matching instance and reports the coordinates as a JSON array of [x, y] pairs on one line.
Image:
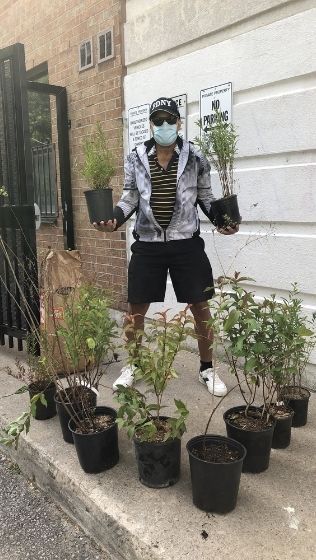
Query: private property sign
[[216, 98], [138, 125]]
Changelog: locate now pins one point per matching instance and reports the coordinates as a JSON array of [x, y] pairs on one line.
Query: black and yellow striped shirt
[[164, 187]]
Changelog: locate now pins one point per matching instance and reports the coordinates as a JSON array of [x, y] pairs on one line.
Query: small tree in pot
[[219, 145], [87, 334], [157, 438], [301, 339], [249, 340], [37, 373], [98, 168], [216, 461]]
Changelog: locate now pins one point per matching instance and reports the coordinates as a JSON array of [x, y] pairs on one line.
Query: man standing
[[165, 179]]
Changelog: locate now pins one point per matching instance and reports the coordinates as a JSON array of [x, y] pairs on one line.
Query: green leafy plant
[[219, 145], [10, 435], [98, 167], [35, 371], [37, 368], [87, 336], [154, 357], [300, 338], [265, 340]]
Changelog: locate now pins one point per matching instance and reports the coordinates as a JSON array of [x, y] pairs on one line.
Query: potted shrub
[[248, 333], [10, 435], [87, 334], [98, 169], [281, 372], [95, 438], [157, 437], [215, 465], [37, 373], [218, 143], [301, 340], [215, 461]]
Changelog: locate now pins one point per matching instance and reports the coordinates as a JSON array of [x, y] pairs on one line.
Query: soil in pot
[[254, 432], [297, 398], [158, 461], [216, 465], [97, 443], [226, 211], [85, 398], [100, 204], [49, 390], [283, 416]]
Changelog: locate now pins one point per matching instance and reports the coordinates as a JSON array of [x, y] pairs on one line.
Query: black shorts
[[187, 263]]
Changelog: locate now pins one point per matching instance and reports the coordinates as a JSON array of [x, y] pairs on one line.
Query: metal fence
[[19, 297], [44, 177]]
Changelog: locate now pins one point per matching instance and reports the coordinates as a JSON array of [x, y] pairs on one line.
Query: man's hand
[[228, 230], [105, 226]]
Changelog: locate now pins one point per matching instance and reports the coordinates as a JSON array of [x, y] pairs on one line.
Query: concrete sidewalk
[[275, 516]]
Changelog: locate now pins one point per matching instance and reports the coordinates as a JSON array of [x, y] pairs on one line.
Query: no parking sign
[[216, 98]]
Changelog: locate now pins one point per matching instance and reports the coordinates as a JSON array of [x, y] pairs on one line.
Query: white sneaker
[[214, 384], [126, 378]]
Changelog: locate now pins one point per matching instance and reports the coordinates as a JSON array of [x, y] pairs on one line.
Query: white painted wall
[[267, 50]]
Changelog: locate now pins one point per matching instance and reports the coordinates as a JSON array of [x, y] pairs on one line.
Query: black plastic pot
[[158, 463], [226, 211], [100, 204], [282, 430], [64, 415], [97, 452], [258, 444], [299, 406], [215, 485], [44, 412]]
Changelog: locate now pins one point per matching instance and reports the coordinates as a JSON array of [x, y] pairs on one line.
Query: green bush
[[98, 167]]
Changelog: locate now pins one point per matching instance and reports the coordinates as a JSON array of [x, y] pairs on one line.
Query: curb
[[77, 502]]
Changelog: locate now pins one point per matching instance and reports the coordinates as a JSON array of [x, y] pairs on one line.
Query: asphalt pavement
[[32, 527]]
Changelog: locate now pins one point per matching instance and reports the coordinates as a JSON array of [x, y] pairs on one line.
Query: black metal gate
[[19, 297]]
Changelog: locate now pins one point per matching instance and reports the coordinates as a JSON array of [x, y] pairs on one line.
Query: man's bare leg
[[201, 314], [138, 310], [207, 375]]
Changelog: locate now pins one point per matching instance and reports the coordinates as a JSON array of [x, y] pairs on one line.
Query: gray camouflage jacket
[[193, 188]]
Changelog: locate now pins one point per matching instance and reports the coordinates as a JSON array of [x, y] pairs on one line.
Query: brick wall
[[52, 31]]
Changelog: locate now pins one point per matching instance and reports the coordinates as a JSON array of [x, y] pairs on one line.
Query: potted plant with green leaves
[[216, 461], [301, 337], [98, 168], [156, 436], [261, 339], [251, 347], [37, 371], [10, 435], [278, 370], [87, 335], [218, 144]]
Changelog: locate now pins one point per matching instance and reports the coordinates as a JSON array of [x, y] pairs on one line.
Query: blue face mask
[[166, 134]]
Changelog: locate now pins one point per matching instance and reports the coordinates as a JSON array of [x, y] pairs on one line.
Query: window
[[43, 149], [85, 54], [105, 45]]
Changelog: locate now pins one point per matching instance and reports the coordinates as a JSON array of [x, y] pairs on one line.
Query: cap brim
[[165, 111]]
